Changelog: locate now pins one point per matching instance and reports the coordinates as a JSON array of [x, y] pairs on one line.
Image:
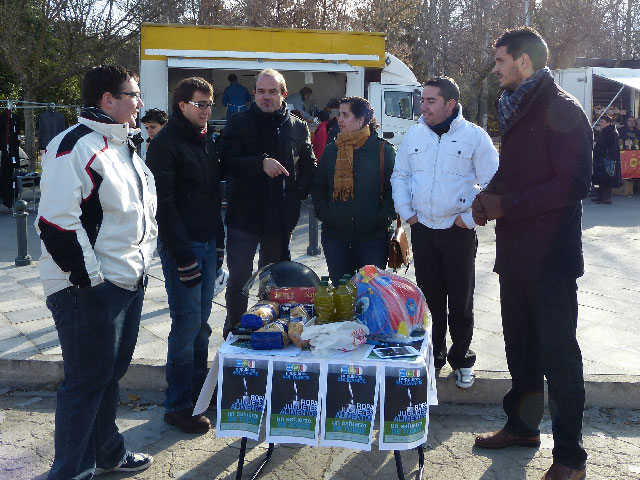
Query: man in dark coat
[[544, 173], [184, 160], [268, 160]]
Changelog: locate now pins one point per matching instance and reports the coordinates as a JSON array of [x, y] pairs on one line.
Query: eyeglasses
[[135, 95], [202, 105]]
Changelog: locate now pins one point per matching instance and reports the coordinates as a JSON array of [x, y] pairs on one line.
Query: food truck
[[333, 64]]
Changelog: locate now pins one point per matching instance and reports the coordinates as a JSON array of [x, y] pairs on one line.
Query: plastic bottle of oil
[[324, 303], [343, 300], [352, 288]]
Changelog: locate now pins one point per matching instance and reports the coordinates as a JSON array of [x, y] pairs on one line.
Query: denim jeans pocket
[[53, 306]]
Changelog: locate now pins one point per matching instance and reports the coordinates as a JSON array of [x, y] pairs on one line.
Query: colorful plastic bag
[[391, 306]]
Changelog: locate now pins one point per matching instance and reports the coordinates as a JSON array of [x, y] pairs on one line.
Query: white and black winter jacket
[[97, 209]]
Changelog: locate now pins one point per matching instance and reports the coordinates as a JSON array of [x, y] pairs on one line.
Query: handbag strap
[[381, 173]]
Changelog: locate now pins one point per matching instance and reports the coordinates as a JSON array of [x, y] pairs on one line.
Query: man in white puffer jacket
[[98, 229], [441, 165]]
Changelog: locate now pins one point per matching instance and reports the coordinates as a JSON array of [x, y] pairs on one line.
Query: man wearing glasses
[[267, 155], [184, 160], [98, 229]]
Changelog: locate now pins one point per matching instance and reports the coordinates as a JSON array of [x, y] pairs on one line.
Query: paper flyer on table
[[404, 406], [349, 410], [241, 395], [292, 408]]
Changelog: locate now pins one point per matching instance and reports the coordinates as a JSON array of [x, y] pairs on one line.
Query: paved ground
[[610, 437]]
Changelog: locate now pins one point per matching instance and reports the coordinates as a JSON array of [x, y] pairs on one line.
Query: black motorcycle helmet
[[281, 275]]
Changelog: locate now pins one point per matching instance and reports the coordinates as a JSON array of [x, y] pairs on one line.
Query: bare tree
[[45, 42]]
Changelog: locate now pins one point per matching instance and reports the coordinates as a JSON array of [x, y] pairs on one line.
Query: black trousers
[[241, 250], [539, 322], [445, 272]]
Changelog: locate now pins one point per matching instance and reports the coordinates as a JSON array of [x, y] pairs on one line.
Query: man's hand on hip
[[273, 168], [459, 222], [412, 220]]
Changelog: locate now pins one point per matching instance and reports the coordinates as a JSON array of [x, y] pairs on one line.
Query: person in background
[[606, 147], [97, 223], [320, 136], [153, 121], [630, 134], [235, 97], [296, 101], [267, 156], [442, 163], [350, 198], [185, 163], [536, 199], [333, 108]]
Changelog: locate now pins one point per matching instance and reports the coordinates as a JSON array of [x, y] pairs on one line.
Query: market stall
[[630, 163], [327, 396]]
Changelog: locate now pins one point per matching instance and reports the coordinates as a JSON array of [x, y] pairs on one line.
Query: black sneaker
[[131, 462]]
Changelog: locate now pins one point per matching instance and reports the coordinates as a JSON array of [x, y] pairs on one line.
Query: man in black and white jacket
[[98, 230]]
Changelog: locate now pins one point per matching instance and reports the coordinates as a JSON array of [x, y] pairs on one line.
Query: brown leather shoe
[[561, 472], [502, 438], [188, 423]]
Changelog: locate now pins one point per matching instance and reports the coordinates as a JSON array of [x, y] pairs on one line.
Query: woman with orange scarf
[[348, 197]]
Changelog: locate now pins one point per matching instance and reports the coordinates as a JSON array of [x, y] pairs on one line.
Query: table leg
[[400, 470], [396, 454], [420, 449], [264, 462], [243, 449]]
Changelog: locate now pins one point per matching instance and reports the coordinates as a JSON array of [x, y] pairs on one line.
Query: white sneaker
[[221, 282], [464, 377]]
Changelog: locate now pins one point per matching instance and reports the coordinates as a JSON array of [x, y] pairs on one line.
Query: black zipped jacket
[[255, 202], [185, 165]]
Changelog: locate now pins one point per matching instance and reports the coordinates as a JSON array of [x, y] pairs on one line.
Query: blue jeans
[[345, 257], [190, 331], [98, 329]]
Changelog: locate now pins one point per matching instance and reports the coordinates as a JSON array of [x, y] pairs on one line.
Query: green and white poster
[[404, 406], [241, 395], [350, 395], [293, 405]]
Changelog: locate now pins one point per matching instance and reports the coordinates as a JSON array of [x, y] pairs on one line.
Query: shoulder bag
[[399, 251]]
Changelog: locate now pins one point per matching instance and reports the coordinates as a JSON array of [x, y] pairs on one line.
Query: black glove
[[190, 274], [491, 205]]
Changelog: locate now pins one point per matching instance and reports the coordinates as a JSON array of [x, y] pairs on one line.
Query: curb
[[609, 391]]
